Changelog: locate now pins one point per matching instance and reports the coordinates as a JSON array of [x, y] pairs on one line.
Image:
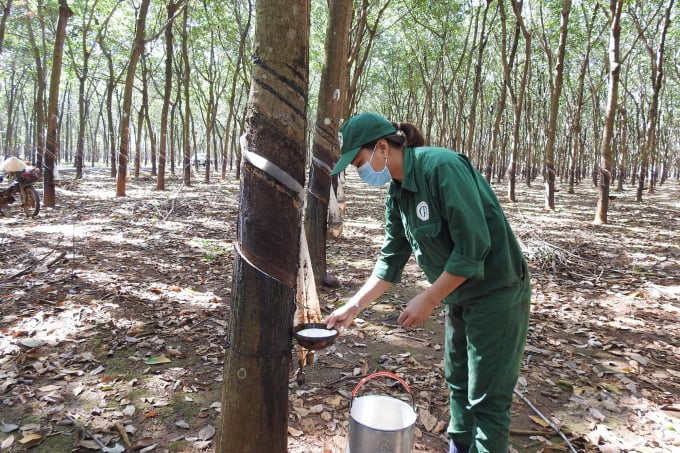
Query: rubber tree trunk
[[186, 93], [52, 149], [518, 99], [549, 168], [135, 54], [508, 62], [325, 146], [258, 351], [167, 92], [649, 146], [605, 170]]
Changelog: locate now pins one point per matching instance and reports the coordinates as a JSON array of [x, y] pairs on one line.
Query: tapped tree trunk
[[476, 89], [576, 127], [259, 341], [325, 143], [508, 61], [554, 107], [41, 88], [167, 92], [52, 150], [110, 88], [605, 170], [650, 143], [137, 49], [518, 99], [186, 126]]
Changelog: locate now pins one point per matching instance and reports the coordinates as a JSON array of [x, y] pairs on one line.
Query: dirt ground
[[113, 312]]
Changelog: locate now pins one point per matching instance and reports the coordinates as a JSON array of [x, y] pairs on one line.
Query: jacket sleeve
[[396, 249], [462, 209]]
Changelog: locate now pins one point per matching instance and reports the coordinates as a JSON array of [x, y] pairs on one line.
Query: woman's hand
[[342, 317], [418, 310]]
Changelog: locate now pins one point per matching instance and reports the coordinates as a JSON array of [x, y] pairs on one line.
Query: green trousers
[[484, 348]]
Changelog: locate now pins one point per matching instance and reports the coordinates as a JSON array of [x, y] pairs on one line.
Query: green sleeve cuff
[[464, 266], [384, 271]]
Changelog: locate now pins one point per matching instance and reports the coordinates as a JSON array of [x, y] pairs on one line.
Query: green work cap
[[357, 131]]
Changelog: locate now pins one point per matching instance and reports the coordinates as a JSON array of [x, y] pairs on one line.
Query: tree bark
[[6, 8], [555, 94], [52, 151], [575, 128], [137, 49], [167, 92], [472, 117], [325, 142], [186, 129], [258, 354], [518, 99], [243, 22], [649, 146], [41, 88], [145, 120], [508, 61], [605, 169], [110, 88]]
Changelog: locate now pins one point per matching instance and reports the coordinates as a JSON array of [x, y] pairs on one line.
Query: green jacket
[[447, 215]]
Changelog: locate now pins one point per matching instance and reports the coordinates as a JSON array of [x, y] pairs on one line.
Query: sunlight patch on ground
[[43, 330]]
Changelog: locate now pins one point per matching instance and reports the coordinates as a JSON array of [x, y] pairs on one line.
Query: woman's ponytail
[[411, 133], [407, 135]]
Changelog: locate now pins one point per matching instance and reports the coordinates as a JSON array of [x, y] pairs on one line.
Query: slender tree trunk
[[605, 170], [554, 109], [40, 104], [361, 41], [137, 49], [145, 120], [167, 92], [244, 27], [138, 142], [508, 62], [52, 127], [325, 142], [258, 354], [186, 74], [649, 146], [83, 76], [210, 114], [6, 9], [519, 102], [472, 117], [575, 130], [623, 146], [110, 88]]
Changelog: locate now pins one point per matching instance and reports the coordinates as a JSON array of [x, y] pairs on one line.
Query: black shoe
[[456, 448]]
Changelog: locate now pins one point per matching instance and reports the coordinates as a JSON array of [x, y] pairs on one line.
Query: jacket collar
[[408, 180]]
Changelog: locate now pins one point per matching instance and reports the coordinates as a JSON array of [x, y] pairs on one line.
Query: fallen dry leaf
[[31, 440], [207, 432], [6, 443]]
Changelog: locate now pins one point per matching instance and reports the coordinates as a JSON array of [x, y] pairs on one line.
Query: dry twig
[[549, 422]]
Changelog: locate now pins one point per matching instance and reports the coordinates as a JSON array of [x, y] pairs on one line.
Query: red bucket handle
[[378, 374]]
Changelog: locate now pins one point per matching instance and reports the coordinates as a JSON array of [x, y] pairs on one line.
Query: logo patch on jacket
[[423, 211]]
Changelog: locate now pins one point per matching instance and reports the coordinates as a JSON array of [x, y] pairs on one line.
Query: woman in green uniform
[[440, 209]]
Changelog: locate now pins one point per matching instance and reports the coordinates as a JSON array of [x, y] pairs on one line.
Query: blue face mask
[[372, 177]]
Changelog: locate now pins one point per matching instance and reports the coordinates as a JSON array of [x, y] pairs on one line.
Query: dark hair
[[407, 135]]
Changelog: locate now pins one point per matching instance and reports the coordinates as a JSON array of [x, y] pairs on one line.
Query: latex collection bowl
[[315, 335]]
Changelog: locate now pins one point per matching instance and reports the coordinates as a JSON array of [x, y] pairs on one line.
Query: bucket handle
[[378, 374]]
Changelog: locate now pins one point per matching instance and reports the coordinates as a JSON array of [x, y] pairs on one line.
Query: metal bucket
[[380, 423]]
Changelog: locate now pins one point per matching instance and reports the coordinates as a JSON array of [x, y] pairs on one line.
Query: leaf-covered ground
[[113, 312]]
